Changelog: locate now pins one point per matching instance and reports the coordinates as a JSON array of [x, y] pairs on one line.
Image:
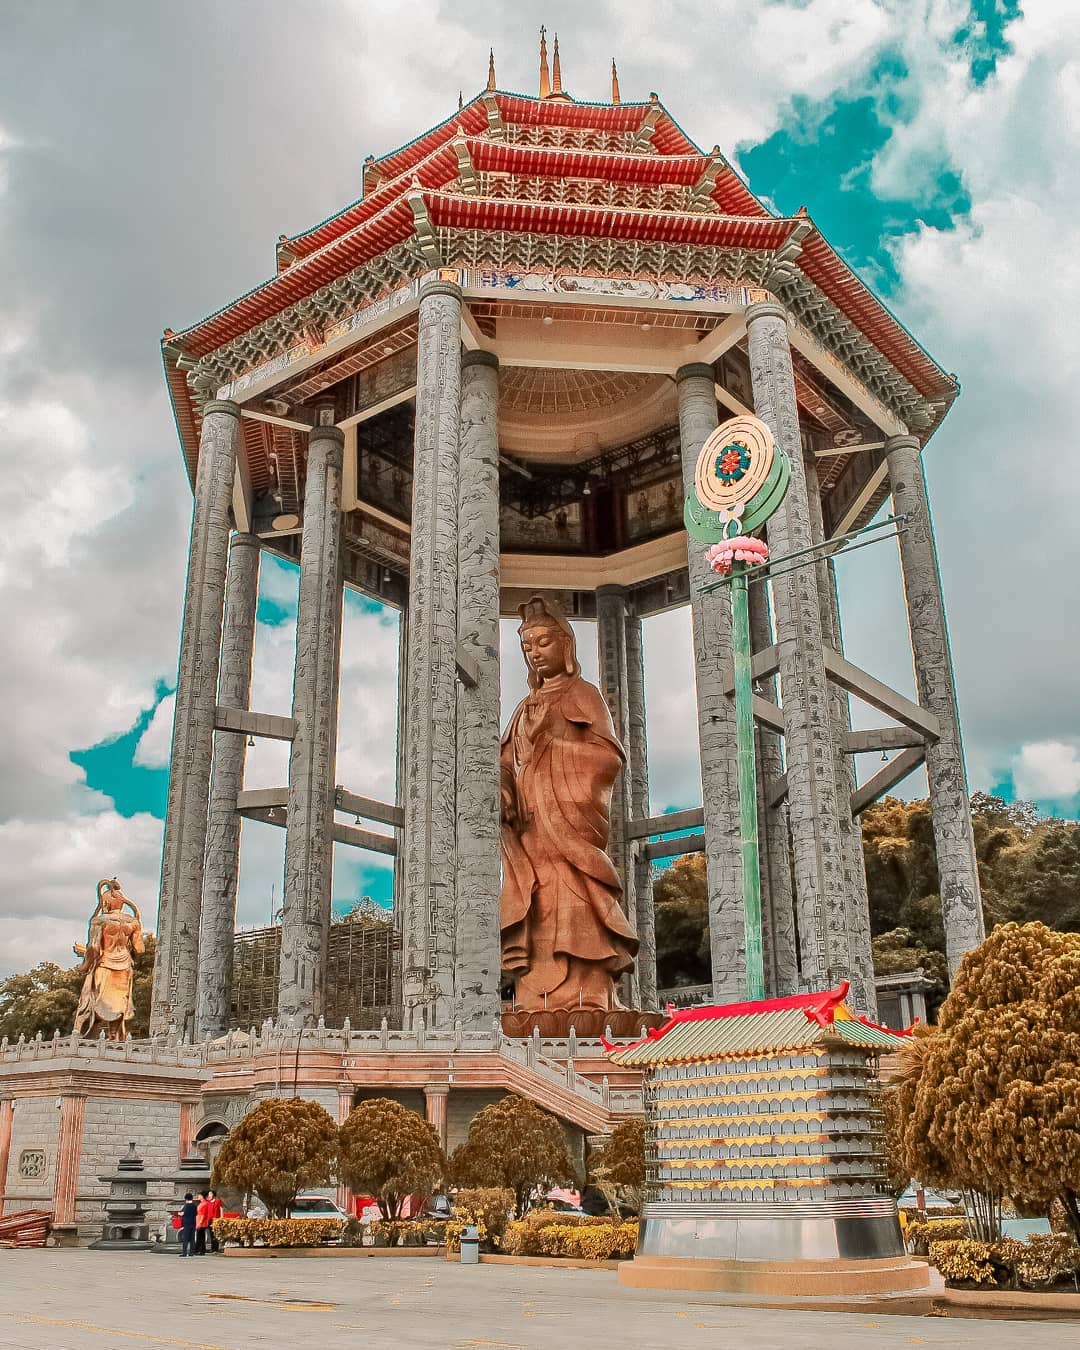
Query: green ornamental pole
[[748, 822]]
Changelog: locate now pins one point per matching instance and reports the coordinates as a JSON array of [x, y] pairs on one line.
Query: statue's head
[[547, 641], [112, 897]]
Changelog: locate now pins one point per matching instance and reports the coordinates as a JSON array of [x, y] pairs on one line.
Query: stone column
[[774, 843], [711, 615], [958, 873], [222, 862], [399, 830], [856, 932], [436, 1096], [637, 748], [344, 1195], [611, 614], [812, 802], [177, 959], [7, 1117], [309, 857], [430, 801], [477, 937], [68, 1152]]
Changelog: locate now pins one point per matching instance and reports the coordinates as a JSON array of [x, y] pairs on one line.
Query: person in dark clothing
[[187, 1225]]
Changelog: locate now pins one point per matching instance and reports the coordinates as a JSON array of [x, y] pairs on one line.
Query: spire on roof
[[491, 69], [556, 70], [615, 97], [460, 100], [545, 79]]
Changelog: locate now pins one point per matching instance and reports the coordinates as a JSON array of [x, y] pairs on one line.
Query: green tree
[[681, 897], [45, 998], [619, 1167], [515, 1144], [281, 1147], [390, 1152], [990, 1099]]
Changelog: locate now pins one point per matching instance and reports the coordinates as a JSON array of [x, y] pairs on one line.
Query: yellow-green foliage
[[389, 1152], [595, 1239], [408, 1232], [280, 1148], [514, 1143], [488, 1208], [1036, 1263], [964, 1261], [278, 1232], [921, 1233]]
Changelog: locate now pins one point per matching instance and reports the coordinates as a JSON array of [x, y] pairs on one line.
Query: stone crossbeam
[[674, 820], [675, 848], [886, 778], [879, 695], [270, 725]]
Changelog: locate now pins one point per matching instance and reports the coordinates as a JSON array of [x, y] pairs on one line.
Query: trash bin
[[470, 1245]]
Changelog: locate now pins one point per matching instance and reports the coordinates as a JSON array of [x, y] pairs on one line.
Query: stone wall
[[34, 1125], [110, 1125]]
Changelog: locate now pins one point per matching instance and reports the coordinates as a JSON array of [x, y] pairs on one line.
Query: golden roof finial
[[491, 69], [615, 97], [460, 100], [556, 70], [545, 79]]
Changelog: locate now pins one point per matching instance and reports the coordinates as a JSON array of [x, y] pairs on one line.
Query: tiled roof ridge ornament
[[616, 97], [491, 71], [545, 78]]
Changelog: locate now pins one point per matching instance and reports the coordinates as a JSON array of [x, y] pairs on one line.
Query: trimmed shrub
[[278, 1232], [589, 1238], [487, 1207], [408, 1232], [1039, 1262], [921, 1233]]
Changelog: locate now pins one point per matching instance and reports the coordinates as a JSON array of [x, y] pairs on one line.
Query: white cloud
[[1047, 771], [155, 744], [51, 868]]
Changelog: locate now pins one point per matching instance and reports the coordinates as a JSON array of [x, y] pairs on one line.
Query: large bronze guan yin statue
[[565, 938]]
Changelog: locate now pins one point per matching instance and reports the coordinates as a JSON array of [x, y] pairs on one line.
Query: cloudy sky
[[150, 155]]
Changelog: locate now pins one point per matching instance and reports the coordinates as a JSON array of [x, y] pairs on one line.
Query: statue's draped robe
[[564, 934], [107, 988]]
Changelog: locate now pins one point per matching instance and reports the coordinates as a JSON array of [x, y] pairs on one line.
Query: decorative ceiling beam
[[713, 345], [465, 170], [642, 138], [495, 126], [424, 230]]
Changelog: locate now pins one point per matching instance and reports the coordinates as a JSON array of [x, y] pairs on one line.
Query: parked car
[[315, 1207]]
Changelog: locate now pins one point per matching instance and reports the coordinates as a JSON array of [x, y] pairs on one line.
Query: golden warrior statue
[[105, 1003], [565, 938]]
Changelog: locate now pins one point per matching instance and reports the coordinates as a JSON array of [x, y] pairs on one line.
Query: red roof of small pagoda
[[419, 173]]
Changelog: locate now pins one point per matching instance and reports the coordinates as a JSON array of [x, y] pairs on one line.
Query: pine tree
[[515, 1144], [390, 1152], [280, 1148]]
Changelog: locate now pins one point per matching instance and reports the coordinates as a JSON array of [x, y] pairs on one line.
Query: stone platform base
[[621, 1022], [791, 1278]]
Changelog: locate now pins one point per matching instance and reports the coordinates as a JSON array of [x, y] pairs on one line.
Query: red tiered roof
[[384, 217]]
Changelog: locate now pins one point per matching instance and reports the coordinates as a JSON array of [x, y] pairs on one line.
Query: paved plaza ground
[[82, 1300]]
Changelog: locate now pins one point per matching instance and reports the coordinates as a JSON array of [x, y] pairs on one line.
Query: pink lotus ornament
[[739, 548]]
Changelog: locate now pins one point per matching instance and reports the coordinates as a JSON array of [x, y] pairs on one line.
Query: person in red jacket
[[202, 1223], [215, 1213]]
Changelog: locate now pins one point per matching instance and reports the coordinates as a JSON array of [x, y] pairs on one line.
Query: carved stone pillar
[[954, 842], [774, 843], [856, 932], [218, 921], [436, 1097], [7, 1117], [479, 958], [68, 1152], [176, 964], [344, 1195], [711, 615], [309, 859], [820, 895], [611, 616], [431, 704], [637, 748], [399, 830]]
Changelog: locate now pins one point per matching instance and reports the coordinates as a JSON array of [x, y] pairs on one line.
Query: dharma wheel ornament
[[740, 480]]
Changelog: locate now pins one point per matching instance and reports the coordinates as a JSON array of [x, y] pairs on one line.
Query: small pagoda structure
[[765, 1168]]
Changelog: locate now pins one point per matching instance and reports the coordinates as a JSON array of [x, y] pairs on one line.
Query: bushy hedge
[[278, 1232], [1040, 1262], [408, 1232], [920, 1233], [591, 1238], [488, 1208]]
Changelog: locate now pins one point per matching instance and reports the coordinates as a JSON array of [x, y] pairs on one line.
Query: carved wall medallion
[[32, 1164]]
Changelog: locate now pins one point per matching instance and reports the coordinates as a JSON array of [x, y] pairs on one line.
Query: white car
[[315, 1207]]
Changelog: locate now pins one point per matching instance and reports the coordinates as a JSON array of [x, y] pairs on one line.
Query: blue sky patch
[[110, 768]]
